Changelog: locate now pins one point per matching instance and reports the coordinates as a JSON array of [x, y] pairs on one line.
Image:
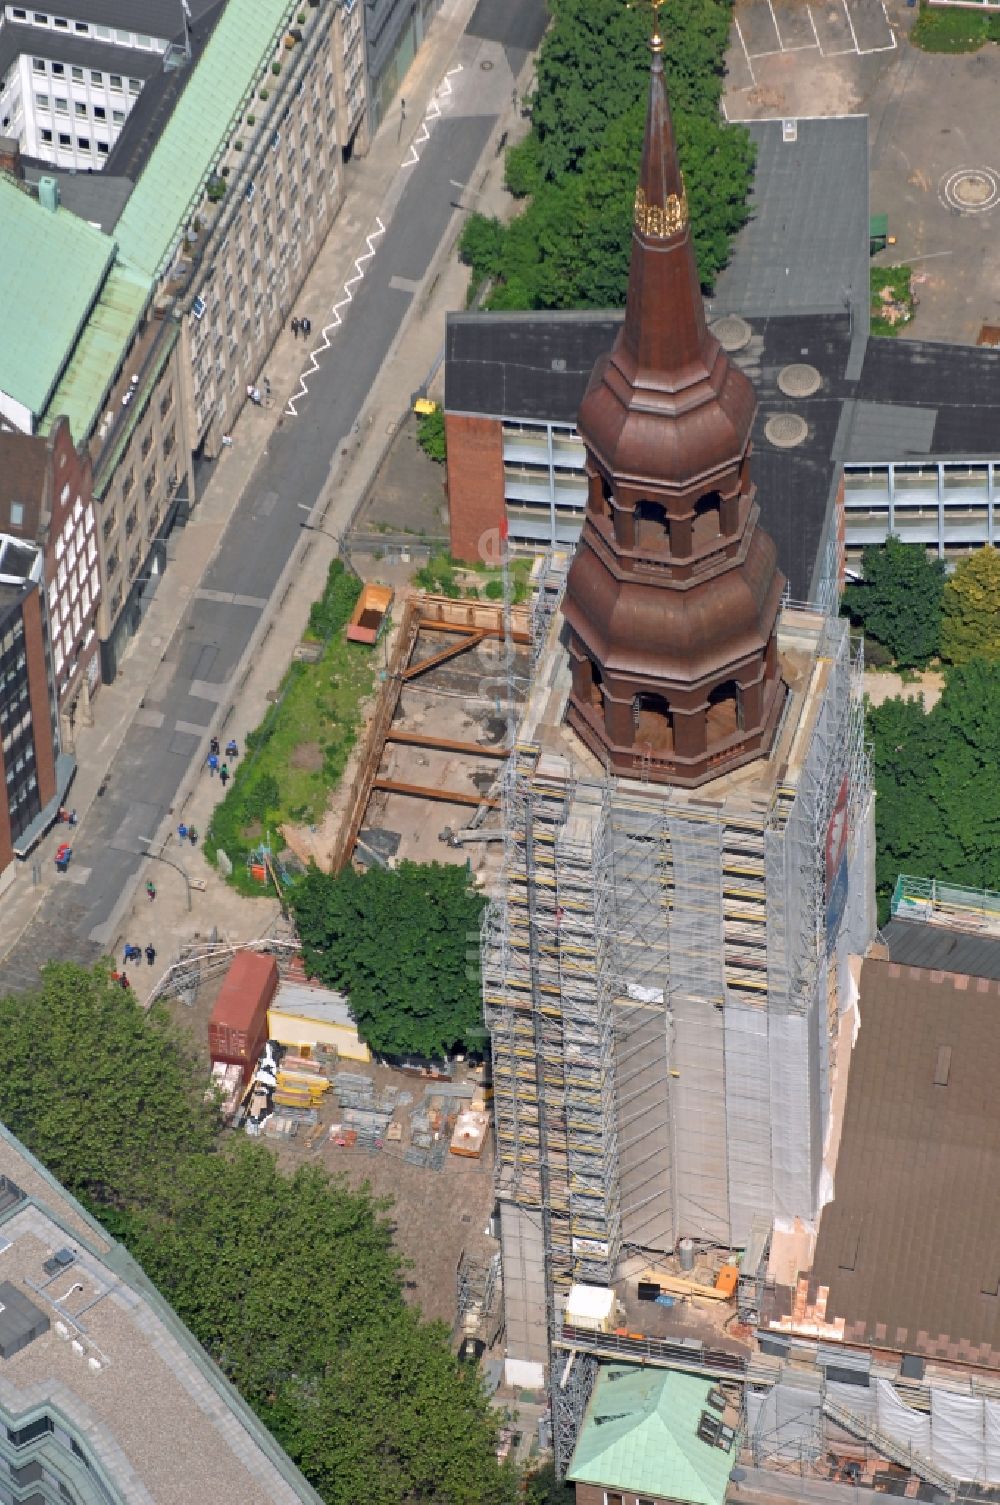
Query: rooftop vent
[[799, 381], [21, 1322], [558, 364], [785, 430], [732, 333], [48, 193], [61, 1260], [942, 1066]]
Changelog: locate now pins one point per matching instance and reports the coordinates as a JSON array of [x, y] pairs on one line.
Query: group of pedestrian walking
[[134, 953], [187, 833], [215, 763], [301, 327]]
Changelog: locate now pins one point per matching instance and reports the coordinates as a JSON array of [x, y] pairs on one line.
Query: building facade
[[34, 773], [394, 30]]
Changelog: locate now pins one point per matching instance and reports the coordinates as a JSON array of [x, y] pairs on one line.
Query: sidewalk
[[376, 183]]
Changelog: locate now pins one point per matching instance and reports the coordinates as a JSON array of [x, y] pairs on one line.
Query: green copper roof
[[640, 1435], [53, 268], [157, 213], [98, 352]]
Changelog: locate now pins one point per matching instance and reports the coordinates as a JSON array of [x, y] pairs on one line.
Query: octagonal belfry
[[673, 595]]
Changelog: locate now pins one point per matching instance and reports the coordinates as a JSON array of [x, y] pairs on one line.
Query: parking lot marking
[[854, 35], [746, 54]]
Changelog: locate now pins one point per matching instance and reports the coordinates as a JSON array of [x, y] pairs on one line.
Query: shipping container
[[237, 1030]]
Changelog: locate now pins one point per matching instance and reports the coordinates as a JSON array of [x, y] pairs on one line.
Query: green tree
[[105, 1094], [543, 1488], [898, 602], [570, 247], [937, 806], [397, 1420], [273, 1273], [403, 945], [431, 435], [970, 620]]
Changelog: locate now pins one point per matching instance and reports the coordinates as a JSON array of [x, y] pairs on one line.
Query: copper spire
[[673, 595]]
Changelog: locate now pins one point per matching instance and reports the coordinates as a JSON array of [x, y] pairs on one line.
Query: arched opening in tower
[[651, 525], [707, 527], [595, 683], [654, 725], [725, 712]]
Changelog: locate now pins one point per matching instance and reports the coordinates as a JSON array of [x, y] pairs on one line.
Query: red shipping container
[[237, 1029]]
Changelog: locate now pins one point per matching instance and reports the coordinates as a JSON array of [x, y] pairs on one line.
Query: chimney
[[10, 156]]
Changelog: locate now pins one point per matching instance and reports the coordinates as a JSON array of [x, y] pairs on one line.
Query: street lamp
[[159, 857]]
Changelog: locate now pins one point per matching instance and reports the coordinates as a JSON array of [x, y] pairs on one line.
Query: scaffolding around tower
[[662, 970]]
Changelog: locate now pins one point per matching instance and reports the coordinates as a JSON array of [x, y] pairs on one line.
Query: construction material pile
[[364, 1115]]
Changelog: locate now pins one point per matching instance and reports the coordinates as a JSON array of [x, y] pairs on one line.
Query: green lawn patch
[[443, 576], [892, 299], [947, 29], [300, 750]]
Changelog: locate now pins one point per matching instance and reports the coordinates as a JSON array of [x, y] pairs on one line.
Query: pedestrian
[[232, 750], [213, 746], [182, 832], [295, 329], [150, 890], [267, 390], [192, 836], [213, 764], [127, 953], [224, 774], [72, 816], [307, 328], [150, 953], [123, 980]]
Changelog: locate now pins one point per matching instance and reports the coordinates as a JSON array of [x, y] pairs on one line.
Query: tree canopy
[[970, 609], [403, 945], [291, 1283], [898, 602], [570, 247], [937, 807]]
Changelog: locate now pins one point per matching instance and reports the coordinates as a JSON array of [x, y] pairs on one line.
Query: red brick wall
[[34, 647], [593, 1494], [475, 485]]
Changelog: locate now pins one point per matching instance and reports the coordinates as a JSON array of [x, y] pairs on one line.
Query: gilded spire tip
[[654, 7]]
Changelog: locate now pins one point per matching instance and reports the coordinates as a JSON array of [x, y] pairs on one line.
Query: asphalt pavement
[[171, 728]]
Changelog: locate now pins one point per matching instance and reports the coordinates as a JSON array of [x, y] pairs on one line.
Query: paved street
[[170, 730]]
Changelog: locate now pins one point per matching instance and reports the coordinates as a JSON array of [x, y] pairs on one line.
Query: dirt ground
[[408, 493], [436, 1216], [932, 138], [884, 685]]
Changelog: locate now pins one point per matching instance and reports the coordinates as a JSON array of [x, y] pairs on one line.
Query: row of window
[[60, 105], [82, 142], [116, 82], [135, 39]]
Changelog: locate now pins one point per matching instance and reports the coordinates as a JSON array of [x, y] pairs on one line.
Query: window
[[612, 1497], [118, 117], [102, 148], [116, 82], [80, 107], [83, 143], [38, 64], [77, 74], [19, 15], [47, 137], [64, 140], [41, 20], [96, 78], [16, 514], [134, 85], [82, 28], [59, 69], [62, 105], [124, 37], [100, 113], [61, 23], [104, 32], [42, 101], [142, 41]]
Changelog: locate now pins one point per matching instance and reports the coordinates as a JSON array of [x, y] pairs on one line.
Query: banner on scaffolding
[[836, 860]]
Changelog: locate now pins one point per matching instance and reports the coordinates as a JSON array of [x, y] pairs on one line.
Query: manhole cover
[[971, 190], [785, 430], [799, 381], [732, 332], [485, 65]]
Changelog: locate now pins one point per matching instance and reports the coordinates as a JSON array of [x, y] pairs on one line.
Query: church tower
[[673, 595]]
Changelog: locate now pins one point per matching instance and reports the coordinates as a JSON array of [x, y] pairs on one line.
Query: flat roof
[[931, 400], [98, 351], [159, 18], [305, 1001], [155, 1415], [54, 266], [918, 943], [908, 1245], [524, 365], [805, 248], [640, 1435], [154, 217]]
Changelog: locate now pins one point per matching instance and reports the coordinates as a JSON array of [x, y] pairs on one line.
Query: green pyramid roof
[[640, 1434]]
